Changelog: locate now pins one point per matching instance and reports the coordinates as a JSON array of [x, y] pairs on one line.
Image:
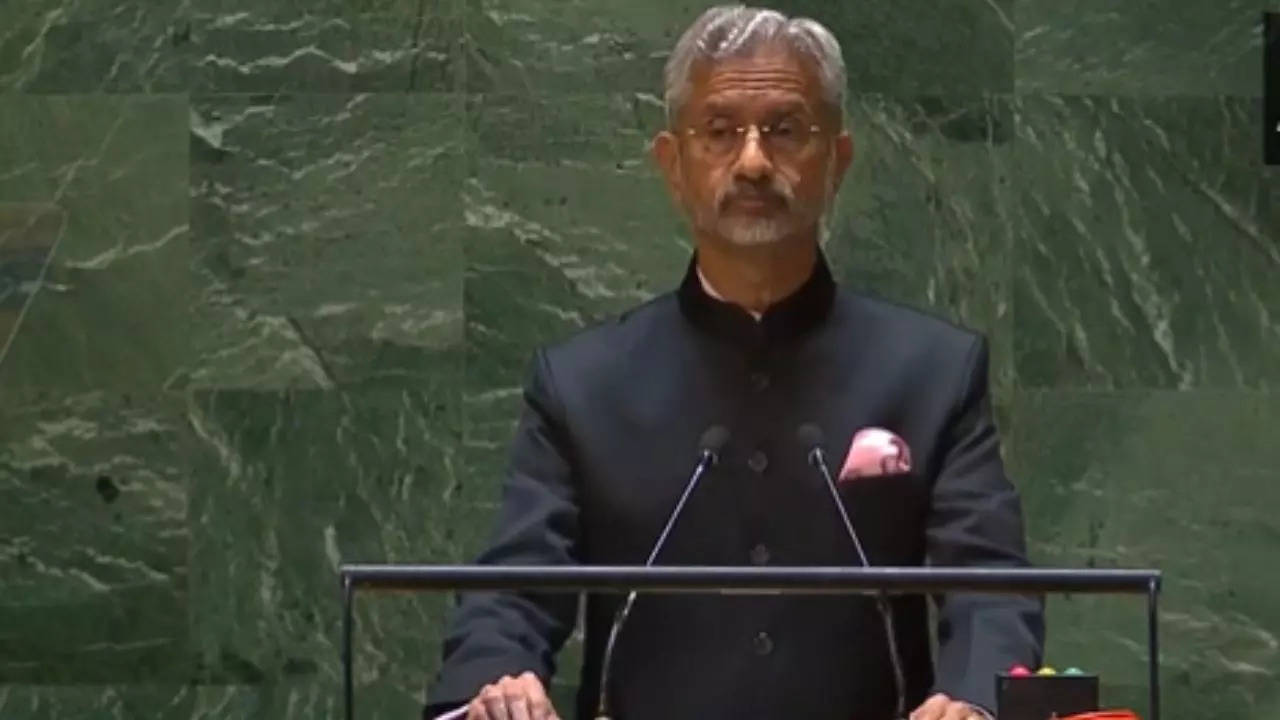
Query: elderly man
[[757, 342]]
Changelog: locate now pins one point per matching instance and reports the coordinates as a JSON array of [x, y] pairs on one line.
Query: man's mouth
[[756, 203]]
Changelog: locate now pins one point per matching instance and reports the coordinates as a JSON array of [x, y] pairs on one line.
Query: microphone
[[810, 436], [710, 444]]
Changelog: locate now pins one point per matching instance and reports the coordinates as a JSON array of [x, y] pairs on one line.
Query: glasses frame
[[740, 132]]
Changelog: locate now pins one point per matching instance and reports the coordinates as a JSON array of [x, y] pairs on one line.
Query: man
[[757, 339]]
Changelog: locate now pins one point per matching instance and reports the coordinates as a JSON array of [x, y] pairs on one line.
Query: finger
[[494, 703], [932, 708], [518, 705], [539, 704], [475, 710], [958, 711], [497, 709]]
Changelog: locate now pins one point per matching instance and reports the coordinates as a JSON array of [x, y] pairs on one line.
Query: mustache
[[777, 189]]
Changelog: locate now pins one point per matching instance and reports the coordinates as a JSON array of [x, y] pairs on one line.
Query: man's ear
[[844, 156], [665, 150]]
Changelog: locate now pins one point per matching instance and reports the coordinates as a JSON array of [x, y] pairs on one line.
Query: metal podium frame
[[752, 580]]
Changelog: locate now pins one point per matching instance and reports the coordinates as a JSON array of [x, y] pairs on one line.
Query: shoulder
[[599, 347], [903, 327], [926, 359]]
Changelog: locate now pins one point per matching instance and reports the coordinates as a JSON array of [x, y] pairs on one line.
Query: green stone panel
[[328, 238], [252, 51], [101, 702], [283, 699], [621, 45], [335, 8], [304, 481], [94, 540], [29, 233], [921, 218], [1100, 47], [1179, 481], [145, 46], [95, 185], [87, 45], [1146, 255]]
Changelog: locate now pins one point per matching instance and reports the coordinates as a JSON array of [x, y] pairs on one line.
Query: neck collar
[[785, 320]]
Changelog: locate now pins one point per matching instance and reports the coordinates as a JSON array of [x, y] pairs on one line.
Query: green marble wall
[[270, 273]]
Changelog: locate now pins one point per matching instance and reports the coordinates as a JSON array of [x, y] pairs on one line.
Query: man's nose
[[753, 163]]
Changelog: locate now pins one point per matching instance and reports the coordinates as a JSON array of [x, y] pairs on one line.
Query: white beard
[[756, 232], [752, 232]]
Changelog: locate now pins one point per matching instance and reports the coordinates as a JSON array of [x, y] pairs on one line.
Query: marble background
[[270, 273]]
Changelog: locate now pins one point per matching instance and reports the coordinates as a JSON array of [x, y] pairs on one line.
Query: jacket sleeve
[[976, 520], [492, 634]]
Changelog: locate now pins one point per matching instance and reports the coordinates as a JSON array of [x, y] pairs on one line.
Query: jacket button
[[759, 381], [762, 643], [758, 461], [759, 554]]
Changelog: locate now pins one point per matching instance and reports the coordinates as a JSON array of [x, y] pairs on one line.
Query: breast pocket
[[888, 512]]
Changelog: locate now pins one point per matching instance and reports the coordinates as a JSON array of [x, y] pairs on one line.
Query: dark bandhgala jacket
[[608, 437]]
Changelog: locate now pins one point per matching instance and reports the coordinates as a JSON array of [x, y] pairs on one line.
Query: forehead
[[774, 76]]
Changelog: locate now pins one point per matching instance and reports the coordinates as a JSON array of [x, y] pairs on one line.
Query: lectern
[[746, 579]]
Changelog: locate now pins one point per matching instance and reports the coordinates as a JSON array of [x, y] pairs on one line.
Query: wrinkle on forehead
[[780, 74], [756, 81]]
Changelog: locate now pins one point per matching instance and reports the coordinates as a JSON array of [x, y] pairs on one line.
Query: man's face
[[774, 179]]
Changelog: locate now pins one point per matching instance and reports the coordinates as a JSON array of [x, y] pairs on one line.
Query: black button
[[760, 555], [759, 381], [758, 461], [762, 643]]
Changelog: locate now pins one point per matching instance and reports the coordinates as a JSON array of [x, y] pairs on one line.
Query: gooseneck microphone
[[709, 446], [810, 437]]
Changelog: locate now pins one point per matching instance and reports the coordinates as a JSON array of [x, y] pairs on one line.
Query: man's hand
[[941, 707], [512, 698]]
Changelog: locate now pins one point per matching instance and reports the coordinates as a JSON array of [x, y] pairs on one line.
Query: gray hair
[[737, 30]]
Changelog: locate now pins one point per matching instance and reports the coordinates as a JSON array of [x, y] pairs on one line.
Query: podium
[[746, 580]]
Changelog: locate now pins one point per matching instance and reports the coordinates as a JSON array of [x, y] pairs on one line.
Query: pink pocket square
[[875, 451]]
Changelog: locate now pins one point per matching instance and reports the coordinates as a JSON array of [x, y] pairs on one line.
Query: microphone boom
[[811, 437], [709, 454]]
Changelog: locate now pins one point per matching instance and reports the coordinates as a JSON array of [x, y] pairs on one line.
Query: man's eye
[[718, 129], [784, 128]]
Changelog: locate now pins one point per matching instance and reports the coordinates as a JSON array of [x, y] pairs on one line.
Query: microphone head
[[713, 439], [810, 436]]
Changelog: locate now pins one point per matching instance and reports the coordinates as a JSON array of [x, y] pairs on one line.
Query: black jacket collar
[[783, 321]]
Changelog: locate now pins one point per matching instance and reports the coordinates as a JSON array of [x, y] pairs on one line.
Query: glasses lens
[[787, 137], [720, 137]]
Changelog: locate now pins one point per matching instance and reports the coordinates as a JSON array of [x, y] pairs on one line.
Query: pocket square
[[875, 451]]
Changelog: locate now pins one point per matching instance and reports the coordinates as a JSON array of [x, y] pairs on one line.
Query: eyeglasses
[[786, 138]]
